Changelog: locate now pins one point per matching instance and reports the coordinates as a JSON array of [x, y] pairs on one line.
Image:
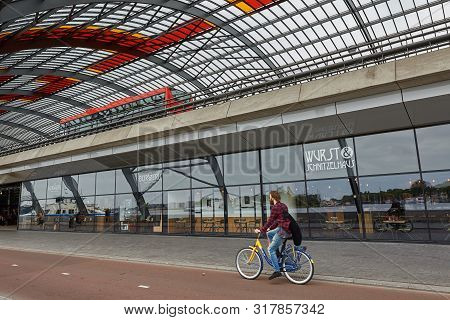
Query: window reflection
[[54, 188], [330, 159], [52, 215], [178, 206], [73, 208], [85, 218], [69, 186], [244, 209], [241, 168], [40, 189], [105, 182], [27, 190], [151, 218], [434, 148], [38, 215], [437, 191], [26, 214], [104, 213], [126, 213], [158, 198], [86, 184], [393, 152], [209, 210], [282, 164], [31, 214], [126, 180], [294, 196], [207, 172], [177, 175], [394, 207], [150, 178], [333, 211]]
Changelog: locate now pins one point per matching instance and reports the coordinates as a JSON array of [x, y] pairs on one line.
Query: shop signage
[[150, 177], [54, 188], [329, 159]]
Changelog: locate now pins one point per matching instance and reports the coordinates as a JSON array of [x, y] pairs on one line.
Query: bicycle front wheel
[[248, 266], [298, 267]]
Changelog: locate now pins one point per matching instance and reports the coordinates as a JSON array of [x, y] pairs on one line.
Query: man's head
[[274, 197]]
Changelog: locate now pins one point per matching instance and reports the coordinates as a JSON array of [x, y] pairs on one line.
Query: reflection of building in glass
[[68, 206], [326, 206]]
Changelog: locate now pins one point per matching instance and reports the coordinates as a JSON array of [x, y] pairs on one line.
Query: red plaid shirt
[[276, 218]]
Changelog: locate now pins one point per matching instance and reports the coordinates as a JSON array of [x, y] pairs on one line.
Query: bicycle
[[295, 263]]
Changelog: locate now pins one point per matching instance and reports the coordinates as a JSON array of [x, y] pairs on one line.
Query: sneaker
[[274, 275]]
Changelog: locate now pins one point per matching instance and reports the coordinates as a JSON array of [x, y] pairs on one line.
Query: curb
[[382, 283], [347, 280]]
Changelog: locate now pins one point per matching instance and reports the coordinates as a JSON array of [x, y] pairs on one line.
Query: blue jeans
[[275, 242]]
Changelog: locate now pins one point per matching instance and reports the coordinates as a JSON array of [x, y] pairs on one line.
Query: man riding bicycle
[[278, 224]]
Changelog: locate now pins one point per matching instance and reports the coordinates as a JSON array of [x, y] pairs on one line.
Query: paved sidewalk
[[417, 266]]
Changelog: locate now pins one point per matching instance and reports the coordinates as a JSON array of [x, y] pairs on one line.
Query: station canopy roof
[[60, 57]]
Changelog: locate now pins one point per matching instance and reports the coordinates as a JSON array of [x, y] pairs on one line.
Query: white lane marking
[[65, 274], [143, 287], [14, 265]]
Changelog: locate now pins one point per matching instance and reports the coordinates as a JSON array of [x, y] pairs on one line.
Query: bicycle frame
[[258, 249], [255, 250]]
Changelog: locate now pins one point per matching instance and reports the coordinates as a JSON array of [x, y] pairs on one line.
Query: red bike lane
[[31, 275]]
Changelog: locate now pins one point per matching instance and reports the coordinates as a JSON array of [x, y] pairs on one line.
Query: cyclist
[[279, 226]]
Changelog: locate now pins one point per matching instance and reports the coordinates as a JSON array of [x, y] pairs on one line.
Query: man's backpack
[[294, 228]]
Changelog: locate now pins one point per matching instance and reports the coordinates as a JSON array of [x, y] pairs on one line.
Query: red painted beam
[[133, 44], [117, 103]]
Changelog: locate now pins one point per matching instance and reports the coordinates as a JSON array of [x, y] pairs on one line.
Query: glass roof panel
[[202, 47]]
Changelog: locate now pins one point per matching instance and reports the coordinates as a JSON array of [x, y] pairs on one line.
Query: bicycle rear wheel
[[298, 267], [249, 270]]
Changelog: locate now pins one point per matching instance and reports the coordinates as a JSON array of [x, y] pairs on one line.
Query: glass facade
[[395, 206], [389, 186]]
